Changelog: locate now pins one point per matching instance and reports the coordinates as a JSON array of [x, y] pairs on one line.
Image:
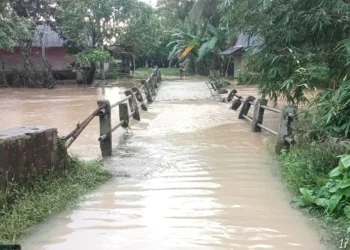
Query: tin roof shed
[[243, 42]]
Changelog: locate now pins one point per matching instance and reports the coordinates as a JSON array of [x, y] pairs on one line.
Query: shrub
[[34, 78], [331, 198], [331, 111], [307, 163]]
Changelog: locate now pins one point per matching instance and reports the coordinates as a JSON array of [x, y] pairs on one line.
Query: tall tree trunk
[[90, 76], [3, 74], [102, 70], [28, 69]]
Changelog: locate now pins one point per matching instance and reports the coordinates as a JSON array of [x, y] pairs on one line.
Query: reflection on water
[[192, 176]]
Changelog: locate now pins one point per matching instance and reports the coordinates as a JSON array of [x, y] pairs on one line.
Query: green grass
[[307, 162], [305, 165], [165, 71], [21, 207]]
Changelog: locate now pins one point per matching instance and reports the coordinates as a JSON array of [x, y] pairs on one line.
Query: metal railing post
[[287, 117], [246, 106], [258, 115], [105, 127]]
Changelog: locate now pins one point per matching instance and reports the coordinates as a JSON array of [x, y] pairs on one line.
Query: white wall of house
[[106, 66]]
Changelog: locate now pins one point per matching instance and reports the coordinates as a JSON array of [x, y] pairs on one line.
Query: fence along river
[[191, 176]]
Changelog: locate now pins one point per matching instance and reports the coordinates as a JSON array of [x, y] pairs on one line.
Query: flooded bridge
[[190, 175]]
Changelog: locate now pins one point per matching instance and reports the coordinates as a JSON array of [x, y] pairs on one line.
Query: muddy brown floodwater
[[61, 108], [190, 176]]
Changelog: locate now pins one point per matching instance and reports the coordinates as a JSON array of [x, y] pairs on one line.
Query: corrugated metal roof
[[231, 50], [244, 42], [50, 37]]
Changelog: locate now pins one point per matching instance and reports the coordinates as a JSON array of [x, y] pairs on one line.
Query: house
[[55, 52], [243, 43]]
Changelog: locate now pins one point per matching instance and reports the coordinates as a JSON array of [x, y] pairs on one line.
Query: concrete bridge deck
[[191, 176]]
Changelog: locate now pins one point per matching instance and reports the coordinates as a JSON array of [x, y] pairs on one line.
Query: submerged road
[[191, 176]]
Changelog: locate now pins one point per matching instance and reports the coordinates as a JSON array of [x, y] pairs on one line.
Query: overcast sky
[[152, 2]]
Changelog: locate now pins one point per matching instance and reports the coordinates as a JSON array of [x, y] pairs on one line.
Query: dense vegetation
[[321, 182], [23, 206]]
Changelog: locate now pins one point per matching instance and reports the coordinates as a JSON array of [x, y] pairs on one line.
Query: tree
[[36, 12], [3, 4], [205, 10], [174, 11], [305, 46], [91, 24], [13, 29], [301, 42]]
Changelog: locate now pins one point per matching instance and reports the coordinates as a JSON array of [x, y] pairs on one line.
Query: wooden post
[[124, 114], [105, 127], [147, 91], [258, 114], [133, 105], [287, 117], [246, 106]]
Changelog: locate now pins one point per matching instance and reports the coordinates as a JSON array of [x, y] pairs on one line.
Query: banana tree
[[198, 44], [183, 38]]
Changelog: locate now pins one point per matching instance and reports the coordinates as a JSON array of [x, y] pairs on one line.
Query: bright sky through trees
[[152, 2]]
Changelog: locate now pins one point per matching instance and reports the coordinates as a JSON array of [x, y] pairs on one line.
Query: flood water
[[62, 108], [189, 176]]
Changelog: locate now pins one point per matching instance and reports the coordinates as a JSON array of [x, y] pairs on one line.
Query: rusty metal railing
[[128, 107]]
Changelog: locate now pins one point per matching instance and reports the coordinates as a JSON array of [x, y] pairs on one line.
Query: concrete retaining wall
[[26, 152]]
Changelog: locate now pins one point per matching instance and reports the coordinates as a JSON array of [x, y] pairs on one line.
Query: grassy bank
[[165, 71], [24, 206], [320, 180]]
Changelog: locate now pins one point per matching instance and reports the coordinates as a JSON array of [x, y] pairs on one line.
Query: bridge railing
[[128, 107], [284, 135]]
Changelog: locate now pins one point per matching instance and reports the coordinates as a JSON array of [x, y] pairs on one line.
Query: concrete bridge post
[[151, 82], [258, 114], [246, 106], [124, 115], [105, 127], [155, 79], [287, 117], [134, 109], [147, 90]]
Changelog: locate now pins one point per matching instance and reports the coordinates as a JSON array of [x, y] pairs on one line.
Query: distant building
[[56, 54], [243, 43]]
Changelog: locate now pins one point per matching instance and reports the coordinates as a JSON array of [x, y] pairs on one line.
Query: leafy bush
[[331, 110], [34, 78], [333, 193], [246, 77], [307, 163], [111, 74]]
